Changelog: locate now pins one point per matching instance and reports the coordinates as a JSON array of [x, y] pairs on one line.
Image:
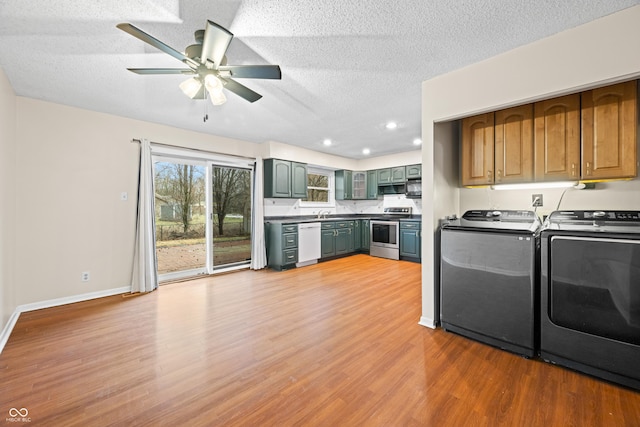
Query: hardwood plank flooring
[[333, 344]]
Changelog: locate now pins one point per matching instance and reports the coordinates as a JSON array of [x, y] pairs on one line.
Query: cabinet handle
[[489, 175], [499, 177], [350, 231], [588, 168], [573, 169]]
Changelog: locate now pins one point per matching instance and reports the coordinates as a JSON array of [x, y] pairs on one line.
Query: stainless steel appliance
[[488, 280], [590, 293], [385, 233], [413, 188]]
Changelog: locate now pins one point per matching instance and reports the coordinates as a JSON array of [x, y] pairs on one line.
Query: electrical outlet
[[85, 276], [536, 200]]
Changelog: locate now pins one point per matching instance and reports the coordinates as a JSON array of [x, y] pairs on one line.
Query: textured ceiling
[[348, 67]]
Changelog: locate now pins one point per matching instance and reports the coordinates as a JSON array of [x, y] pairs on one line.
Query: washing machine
[[590, 293], [489, 280]]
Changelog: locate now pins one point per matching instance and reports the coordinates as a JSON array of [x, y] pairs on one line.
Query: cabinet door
[[359, 185], [413, 171], [410, 243], [327, 243], [557, 139], [344, 241], [298, 180], [398, 175], [357, 235], [514, 145], [277, 178], [384, 176], [372, 185], [366, 234], [609, 132], [477, 150]]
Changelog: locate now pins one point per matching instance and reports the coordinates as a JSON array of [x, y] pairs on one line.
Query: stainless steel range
[[385, 233]]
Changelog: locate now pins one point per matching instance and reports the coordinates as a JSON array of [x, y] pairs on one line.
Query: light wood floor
[[335, 344]]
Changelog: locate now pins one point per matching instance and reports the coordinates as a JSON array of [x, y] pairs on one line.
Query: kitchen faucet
[[323, 214]]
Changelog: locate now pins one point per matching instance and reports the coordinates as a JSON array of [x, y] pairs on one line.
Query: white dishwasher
[[309, 248]]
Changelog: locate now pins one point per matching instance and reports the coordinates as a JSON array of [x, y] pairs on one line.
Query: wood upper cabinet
[[477, 150], [514, 145], [557, 139], [609, 132]]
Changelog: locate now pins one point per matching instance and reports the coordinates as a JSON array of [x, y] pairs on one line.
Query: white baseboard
[[428, 322], [8, 328]]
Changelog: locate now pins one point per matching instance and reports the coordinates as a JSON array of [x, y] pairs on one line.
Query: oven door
[[590, 302], [385, 234]]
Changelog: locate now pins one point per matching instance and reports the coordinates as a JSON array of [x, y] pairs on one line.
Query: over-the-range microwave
[[413, 188]]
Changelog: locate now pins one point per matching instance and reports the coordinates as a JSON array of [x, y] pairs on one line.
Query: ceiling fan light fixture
[[214, 88], [191, 87]]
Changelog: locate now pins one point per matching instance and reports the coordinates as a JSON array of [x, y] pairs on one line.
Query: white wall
[[73, 166], [7, 199], [595, 54]]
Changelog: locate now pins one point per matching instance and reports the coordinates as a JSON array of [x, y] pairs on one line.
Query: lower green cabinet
[[366, 235], [327, 239], [282, 245], [337, 238], [410, 240]]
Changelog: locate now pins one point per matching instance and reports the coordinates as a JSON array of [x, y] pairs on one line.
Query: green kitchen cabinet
[[410, 241], [285, 179], [282, 245], [384, 176], [336, 238], [357, 235], [298, 180], [327, 239], [366, 235], [359, 185], [398, 175], [372, 185], [395, 175], [344, 185], [413, 171]]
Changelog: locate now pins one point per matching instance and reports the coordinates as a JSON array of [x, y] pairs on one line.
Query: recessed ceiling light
[[366, 151], [391, 125], [417, 141], [327, 142]]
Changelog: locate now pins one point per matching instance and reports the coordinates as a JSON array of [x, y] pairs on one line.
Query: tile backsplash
[[292, 207]]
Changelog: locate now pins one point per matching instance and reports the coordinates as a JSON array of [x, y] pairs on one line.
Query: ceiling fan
[[208, 64]]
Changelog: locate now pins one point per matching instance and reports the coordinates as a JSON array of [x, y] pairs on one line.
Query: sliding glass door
[[231, 215], [203, 216]]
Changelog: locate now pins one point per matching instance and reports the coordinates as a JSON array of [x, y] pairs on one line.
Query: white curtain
[[258, 246], [145, 276]]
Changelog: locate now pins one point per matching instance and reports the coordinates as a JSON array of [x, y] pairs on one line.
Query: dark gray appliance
[[488, 278], [590, 293]]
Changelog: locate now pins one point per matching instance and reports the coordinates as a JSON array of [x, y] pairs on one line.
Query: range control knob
[[496, 213], [599, 214]]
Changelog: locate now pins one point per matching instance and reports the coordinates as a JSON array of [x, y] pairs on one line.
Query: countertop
[[314, 218]]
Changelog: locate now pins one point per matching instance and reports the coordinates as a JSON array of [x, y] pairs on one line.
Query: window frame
[[331, 202]]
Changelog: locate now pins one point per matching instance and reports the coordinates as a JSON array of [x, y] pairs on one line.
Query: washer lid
[[506, 220]]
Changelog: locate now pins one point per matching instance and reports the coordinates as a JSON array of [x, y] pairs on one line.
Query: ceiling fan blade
[[162, 70], [253, 71], [215, 44], [138, 33], [241, 90]]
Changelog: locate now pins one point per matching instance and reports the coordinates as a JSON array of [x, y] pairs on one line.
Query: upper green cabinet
[[299, 180], [394, 175], [285, 179], [372, 185], [344, 185], [351, 185], [413, 171]]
